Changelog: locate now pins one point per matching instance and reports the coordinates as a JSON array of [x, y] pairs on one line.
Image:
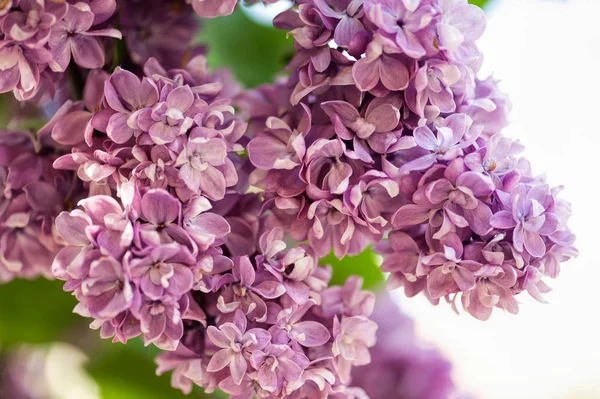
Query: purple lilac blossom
[[249, 325], [385, 136], [381, 134], [40, 37], [148, 253], [286, 346], [168, 129], [33, 194]]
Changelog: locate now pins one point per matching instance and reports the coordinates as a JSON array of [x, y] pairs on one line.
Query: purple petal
[[238, 368], [219, 360], [314, 333], [87, 52], [438, 283], [160, 208], [534, 244], [410, 215]]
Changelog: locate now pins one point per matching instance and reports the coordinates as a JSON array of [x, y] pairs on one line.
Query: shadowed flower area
[[401, 365]]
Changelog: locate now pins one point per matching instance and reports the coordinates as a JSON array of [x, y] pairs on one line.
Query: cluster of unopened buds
[[178, 207]]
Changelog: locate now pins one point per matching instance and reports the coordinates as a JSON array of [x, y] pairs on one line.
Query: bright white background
[[547, 54]]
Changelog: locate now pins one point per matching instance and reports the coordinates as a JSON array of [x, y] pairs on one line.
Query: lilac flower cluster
[[280, 333], [169, 129], [201, 227], [32, 195], [386, 131], [145, 256], [249, 325], [38, 38]]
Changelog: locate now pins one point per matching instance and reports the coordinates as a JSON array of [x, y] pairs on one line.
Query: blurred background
[[547, 55]]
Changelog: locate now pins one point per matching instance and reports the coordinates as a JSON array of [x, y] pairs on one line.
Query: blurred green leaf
[[255, 53], [364, 265], [479, 3], [128, 371], [36, 311], [4, 115]]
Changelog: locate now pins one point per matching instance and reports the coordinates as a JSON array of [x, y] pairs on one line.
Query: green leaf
[[364, 265], [4, 108], [36, 311], [128, 371], [479, 3], [255, 53]]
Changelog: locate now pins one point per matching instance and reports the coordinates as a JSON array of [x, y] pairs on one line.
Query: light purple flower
[[402, 20], [125, 95], [198, 164], [291, 328], [453, 134], [30, 24], [276, 363], [20, 68], [353, 337], [107, 290], [449, 271], [165, 269], [236, 343], [72, 36], [529, 213], [460, 23], [213, 8], [348, 12], [171, 118], [380, 69], [381, 119], [431, 86], [161, 323]]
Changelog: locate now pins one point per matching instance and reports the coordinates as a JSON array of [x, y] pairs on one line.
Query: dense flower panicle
[[38, 37], [387, 132], [294, 347], [132, 265], [208, 207], [401, 366], [33, 194], [170, 249], [252, 325], [169, 129]]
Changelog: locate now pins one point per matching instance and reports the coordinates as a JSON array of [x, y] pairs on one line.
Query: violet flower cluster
[[41, 39], [148, 254], [386, 136], [32, 195], [203, 209]]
